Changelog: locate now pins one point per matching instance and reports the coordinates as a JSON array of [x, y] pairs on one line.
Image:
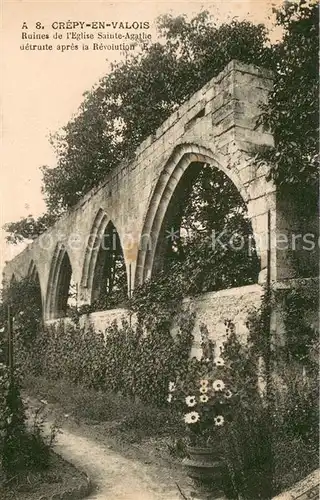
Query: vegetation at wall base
[[114, 118], [22, 448], [125, 375]]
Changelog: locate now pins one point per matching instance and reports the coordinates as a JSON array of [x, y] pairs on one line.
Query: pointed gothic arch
[[94, 241], [179, 162], [58, 284], [33, 275], [32, 271], [104, 269]]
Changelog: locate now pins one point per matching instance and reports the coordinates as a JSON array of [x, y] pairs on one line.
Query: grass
[[134, 422], [32, 485]]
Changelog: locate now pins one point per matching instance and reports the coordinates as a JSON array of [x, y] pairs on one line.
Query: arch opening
[[62, 289], [201, 232], [33, 277], [109, 277]]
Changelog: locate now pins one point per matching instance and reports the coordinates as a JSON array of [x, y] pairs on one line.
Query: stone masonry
[[216, 126]]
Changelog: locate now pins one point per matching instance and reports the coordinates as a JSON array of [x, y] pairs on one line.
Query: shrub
[[128, 360], [21, 448]]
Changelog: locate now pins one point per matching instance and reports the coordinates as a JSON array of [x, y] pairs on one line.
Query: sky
[[40, 91]]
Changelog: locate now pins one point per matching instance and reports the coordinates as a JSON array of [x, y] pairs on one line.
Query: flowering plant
[[205, 394]]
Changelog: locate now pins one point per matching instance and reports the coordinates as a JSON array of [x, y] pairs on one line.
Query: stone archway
[[33, 275], [58, 284], [103, 243], [92, 249], [179, 161], [32, 271]]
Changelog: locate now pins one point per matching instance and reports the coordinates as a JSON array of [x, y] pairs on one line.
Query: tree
[[28, 228], [141, 92], [133, 100], [292, 112], [136, 97]]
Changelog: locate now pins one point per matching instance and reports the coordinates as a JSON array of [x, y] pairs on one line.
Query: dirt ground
[[120, 470]]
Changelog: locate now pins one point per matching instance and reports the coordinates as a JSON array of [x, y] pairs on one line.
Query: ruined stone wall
[[212, 309], [216, 126]]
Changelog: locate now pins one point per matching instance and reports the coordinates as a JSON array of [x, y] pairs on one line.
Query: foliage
[[296, 435], [132, 101], [220, 402], [154, 300], [127, 360], [302, 339], [24, 297], [292, 111], [204, 246], [268, 443], [134, 420], [21, 448], [154, 82], [110, 275], [247, 446], [269, 432], [28, 228], [132, 360], [213, 247], [151, 85], [203, 393], [39, 442], [13, 423]]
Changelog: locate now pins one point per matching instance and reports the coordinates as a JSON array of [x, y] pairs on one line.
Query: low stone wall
[[100, 320], [214, 308]]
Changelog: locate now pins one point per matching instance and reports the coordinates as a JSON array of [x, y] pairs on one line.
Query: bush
[[21, 448], [128, 360]]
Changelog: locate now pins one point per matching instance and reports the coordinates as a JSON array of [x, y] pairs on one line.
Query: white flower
[[218, 385], [191, 400], [228, 394], [192, 417], [44, 401], [219, 420], [203, 389], [204, 398], [204, 382], [172, 386], [219, 361], [169, 398], [2, 329]]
